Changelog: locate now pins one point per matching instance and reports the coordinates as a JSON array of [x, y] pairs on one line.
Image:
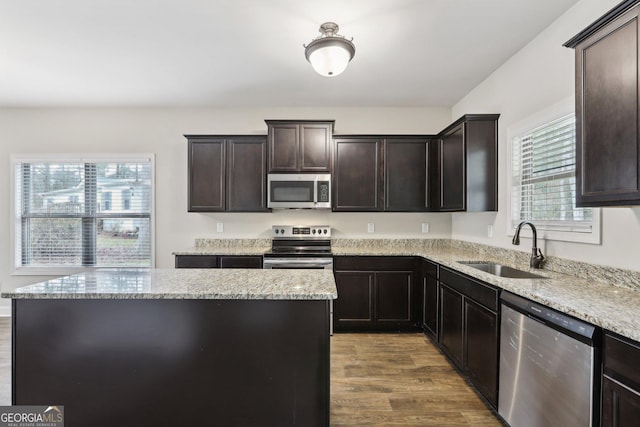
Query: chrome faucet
[[536, 254]]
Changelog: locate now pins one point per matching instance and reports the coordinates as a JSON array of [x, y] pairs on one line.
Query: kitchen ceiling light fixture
[[329, 53]]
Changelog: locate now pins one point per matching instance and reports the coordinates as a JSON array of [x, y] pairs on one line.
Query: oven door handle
[[298, 263]]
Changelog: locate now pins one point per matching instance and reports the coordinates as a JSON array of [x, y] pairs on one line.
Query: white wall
[[160, 131], [537, 77]]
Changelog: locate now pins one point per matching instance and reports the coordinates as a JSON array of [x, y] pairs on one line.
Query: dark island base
[[174, 362]]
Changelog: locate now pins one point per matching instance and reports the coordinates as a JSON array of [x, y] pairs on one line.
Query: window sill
[[48, 271], [591, 238]]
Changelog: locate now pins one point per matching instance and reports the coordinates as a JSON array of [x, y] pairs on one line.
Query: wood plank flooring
[[376, 380], [399, 380]]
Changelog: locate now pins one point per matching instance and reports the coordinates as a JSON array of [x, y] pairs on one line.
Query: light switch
[[371, 227], [219, 227], [425, 227], [489, 230]]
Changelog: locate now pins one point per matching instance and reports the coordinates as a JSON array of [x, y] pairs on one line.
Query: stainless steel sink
[[501, 270]]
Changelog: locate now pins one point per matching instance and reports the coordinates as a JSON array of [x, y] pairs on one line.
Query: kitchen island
[[176, 347]]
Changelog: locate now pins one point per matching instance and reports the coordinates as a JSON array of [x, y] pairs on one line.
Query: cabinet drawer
[[374, 263], [477, 291], [196, 261], [621, 360], [240, 261]]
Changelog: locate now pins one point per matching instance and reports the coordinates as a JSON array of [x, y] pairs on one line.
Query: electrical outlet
[[371, 227], [489, 230], [219, 227], [425, 227]]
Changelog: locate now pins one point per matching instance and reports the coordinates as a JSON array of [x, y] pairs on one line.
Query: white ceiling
[[243, 53]]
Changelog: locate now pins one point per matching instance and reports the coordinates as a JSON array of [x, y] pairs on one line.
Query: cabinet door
[[354, 306], [315, 147], [394, 297], [481, 349], [607, 115], [430, 304], [206, 175], [357, 177], [451, 323], [452, 191], [620, 405], [406, 174], [246, 183], [481, 162], [283, 147]]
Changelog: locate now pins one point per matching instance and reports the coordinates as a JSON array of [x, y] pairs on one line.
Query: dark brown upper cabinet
[[406, 174], [607, 109], [207, 170], [227, 173], [357, 174], [299, 146], [467, 165], [381, 173]]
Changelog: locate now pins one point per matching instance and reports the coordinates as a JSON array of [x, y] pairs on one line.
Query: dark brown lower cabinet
[[451, 324], [469, 329], [375, 294], [196, 261], [394, 297], [218, 261], [481, 349], [355, 308], [234, 261], [620, 382], [620, 405], [430, 297]]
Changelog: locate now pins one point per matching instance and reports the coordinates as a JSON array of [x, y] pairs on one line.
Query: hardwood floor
[[399, 380], [376, 380]]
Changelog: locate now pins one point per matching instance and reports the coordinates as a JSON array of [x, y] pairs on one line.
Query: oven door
[[323, 263]]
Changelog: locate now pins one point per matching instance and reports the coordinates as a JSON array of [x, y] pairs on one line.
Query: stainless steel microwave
[[299, 191]]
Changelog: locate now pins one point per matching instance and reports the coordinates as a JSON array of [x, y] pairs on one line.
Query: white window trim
[[88, 158], [560, 109]]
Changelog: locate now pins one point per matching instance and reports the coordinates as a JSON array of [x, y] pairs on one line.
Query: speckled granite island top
[[251, 284]]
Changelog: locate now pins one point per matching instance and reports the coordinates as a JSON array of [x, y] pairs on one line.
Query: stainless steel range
[[300, 247]]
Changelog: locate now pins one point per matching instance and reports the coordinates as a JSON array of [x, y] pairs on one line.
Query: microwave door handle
[[315, 190]]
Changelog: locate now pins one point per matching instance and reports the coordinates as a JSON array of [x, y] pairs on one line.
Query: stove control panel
[[302, 231]]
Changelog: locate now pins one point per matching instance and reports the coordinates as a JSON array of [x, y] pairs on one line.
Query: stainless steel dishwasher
[[549, 366]]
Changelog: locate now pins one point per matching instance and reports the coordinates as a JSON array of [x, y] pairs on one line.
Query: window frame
[[16, 256], [535, 120]]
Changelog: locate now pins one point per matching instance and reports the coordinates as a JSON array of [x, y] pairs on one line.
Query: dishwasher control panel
[[549, 316]]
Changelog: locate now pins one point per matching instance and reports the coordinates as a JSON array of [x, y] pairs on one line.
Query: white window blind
[[544, 184], [83, 213]]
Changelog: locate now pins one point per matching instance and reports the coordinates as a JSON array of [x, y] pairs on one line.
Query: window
[[75, 212], [544, 185]]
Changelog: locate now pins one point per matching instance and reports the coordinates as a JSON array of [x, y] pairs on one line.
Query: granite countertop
[[255, 284], [227, 247], [598, 302], [591, 293], [606, 297], [241, 250]]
